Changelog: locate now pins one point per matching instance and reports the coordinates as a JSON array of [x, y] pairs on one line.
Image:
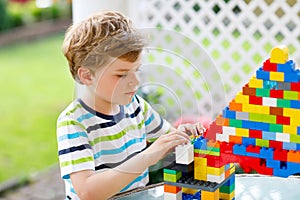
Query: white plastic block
[[184, 154]]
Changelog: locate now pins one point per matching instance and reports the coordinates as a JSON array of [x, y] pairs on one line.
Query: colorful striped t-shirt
[[89, 140]]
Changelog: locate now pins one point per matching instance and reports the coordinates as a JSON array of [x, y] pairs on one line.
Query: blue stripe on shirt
[[148, 121], [72, 136], [85, 116], [119, 150]]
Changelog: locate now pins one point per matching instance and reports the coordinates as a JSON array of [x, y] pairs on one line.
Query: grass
[[35, 87]]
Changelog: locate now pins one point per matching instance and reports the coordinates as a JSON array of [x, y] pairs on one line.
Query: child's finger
[[200, 128]]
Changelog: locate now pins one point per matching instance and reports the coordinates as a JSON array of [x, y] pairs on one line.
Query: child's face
[[118, 82]]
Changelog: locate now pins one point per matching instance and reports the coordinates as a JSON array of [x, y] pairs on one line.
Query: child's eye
[[121, 75]]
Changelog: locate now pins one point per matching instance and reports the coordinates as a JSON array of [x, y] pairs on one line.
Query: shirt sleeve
[[74, 151], [155, 125]]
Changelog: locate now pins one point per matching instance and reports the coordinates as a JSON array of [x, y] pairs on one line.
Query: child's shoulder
[[71, 111]]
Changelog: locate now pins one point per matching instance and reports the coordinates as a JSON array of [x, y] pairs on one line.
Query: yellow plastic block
[[189, 191], [240, 98], [226, 196], [291, 112], [295, 121], [242, 132], [248, 108], [261, 109], [279, 55], [277, 76], [255, 83], [198, 161], [215, 170], [290, 129], [210, 195], [200, 176]]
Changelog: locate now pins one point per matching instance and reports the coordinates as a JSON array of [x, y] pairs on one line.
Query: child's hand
[[196, 129], [165, 144]]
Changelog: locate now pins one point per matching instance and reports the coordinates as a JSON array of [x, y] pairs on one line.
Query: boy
[[102, 136]]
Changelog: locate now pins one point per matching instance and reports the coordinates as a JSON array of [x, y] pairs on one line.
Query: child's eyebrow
[[127, 70], [123, 70]]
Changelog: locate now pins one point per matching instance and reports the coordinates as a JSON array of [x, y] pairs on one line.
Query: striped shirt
[[89, 140]]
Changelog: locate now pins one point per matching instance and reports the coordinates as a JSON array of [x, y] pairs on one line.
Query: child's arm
[[90, 185]]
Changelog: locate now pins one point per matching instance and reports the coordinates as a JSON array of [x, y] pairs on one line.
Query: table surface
[[247, 187]]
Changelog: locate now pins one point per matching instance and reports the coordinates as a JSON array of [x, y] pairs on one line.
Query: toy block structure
[[259, 130]]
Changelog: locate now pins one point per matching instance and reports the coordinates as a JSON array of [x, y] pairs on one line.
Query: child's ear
[[85, 76]]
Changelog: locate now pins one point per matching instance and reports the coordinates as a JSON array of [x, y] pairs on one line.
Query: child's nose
[[134, 80]]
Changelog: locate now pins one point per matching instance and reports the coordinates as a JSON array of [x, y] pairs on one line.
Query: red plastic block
[[295, 86], [226, 147], [255, 134], [283, 120], [276, 93], [275, 144], [253, 149], [280, 154], [213, 129], [269, 66], [255, 100]]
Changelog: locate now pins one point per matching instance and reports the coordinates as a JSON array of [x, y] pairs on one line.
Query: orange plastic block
[[171, 189], [293, 156], [235, 106], [235, 139], [220, 121], [212, 143]]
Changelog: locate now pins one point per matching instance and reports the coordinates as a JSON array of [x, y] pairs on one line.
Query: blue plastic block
[[267, 84], [289, 146], [248, 141], [298, 147], [230, 181], [262, 126], [293, 166], [291, 77], [298, 130], [295, 104], [273, 163], [200, 143], [260, 74], [286, 169], [266, 135], [266, 153], [227, 166], [239, 149], [248, 124], [228, 113], [251, 154], [289, 66]]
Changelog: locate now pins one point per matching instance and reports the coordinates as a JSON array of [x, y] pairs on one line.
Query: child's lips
[[131, 93]]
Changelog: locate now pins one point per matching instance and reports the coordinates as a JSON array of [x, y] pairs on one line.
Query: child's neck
[[103, 107]]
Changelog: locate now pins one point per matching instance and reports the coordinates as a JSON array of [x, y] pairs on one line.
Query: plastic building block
[[279, 55], [184, 154], [259, 129]]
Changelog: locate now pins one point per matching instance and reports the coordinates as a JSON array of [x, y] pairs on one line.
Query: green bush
[[15, 14], [3, 16]]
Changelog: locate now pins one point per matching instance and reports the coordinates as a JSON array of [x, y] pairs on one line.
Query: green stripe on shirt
[[70, 122], [78, 161], [117, 135]]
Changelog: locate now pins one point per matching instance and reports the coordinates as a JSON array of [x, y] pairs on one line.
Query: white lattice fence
[[238, 35]]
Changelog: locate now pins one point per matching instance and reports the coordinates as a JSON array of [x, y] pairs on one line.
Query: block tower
[[259, 130]]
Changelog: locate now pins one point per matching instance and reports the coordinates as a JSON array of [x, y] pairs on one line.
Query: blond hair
[[94, 42]]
